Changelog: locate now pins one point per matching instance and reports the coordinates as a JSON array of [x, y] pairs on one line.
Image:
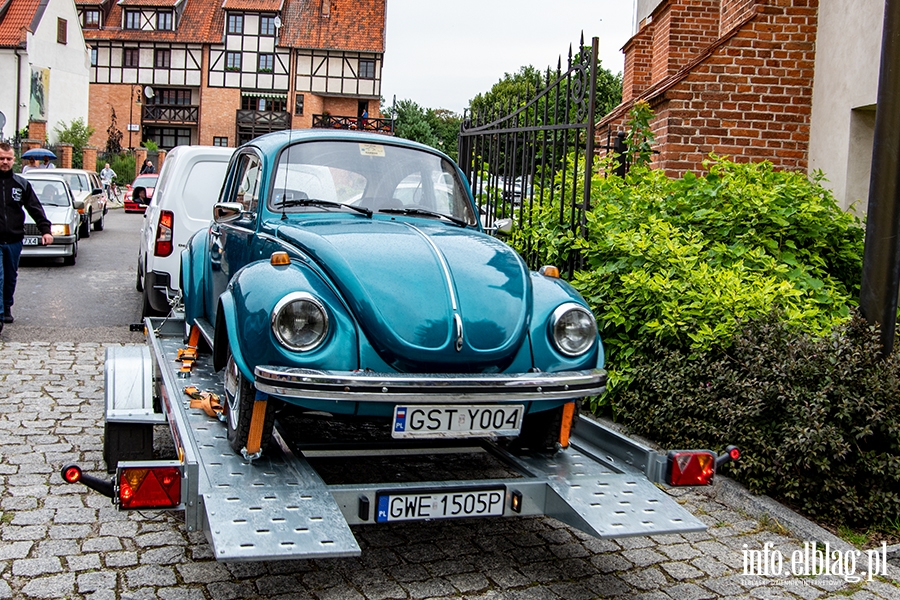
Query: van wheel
[[240, 396]]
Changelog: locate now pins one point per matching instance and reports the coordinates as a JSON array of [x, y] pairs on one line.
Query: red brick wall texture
[[730, 77]]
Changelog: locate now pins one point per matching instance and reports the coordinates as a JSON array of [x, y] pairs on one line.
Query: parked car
[[323, 283], [188, 186], [148, 182], [61, 209], [86, 187]]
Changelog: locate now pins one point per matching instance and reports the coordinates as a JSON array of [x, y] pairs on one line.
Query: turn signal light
[[691, 468], [158, 487], [164, 233], [549, 271], [279, 259]]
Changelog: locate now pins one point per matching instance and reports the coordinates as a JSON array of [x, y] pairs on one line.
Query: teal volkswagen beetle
[[348, 274]]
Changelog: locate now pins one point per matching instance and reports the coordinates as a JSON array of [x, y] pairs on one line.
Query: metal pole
[[881, 261]]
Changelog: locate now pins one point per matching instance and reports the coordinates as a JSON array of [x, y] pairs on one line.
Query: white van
[[188, 187]]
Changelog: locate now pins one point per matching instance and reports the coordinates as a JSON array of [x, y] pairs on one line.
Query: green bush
[[123, 164], [817, 418]]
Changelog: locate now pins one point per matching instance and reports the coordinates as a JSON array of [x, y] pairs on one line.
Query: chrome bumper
[[411, 388]]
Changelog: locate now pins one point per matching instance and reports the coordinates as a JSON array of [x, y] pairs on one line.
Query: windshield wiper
[[291, 202], [425, 213]]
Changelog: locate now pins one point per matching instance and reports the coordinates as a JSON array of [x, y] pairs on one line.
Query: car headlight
[[573, 329], [300, 322], [59, 230]]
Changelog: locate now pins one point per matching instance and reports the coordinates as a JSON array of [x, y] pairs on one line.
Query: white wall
[[848, 51], [642, 10], [69, 65], [8, 92]]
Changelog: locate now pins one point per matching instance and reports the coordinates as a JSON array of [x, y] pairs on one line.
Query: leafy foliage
[[123, 164], [817, 418], [114, 135], [436, 127], [78, 133]]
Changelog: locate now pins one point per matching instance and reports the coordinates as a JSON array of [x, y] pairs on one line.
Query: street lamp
[[135, 98]]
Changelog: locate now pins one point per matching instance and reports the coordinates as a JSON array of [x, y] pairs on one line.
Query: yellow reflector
[[134, 477], [279, 259], [549, 271]]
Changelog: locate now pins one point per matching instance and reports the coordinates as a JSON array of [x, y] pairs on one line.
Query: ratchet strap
[[565, 430], [187, 356], [208, 402], [257, 422]]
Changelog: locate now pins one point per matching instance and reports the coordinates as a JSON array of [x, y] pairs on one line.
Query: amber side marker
[[279, 259]]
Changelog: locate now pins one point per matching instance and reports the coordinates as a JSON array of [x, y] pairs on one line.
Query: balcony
[[170, 114], [268, 120], [357, 123]]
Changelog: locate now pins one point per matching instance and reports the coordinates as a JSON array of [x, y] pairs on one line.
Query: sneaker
[[7, 317]]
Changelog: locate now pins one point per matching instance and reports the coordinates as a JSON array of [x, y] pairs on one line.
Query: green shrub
[[123, 164], [817, 418]]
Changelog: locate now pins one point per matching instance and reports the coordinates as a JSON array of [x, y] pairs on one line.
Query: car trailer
[[278, 506]]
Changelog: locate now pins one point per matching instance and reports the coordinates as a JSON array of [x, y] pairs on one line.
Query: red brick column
[[64, 154], [160, 159], [37, 130], [89, 158], [140, 157]]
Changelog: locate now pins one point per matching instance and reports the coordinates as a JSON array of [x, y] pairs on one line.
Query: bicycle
[[112, 192]]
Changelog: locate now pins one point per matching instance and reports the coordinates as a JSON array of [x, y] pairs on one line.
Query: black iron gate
[[539, 152]]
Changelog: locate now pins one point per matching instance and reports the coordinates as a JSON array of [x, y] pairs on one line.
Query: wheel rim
[[232, 391]]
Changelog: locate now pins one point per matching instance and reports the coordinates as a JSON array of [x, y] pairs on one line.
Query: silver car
[[87, 188], [61, 209]]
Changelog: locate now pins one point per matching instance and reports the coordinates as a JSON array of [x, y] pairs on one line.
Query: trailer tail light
[[691, 467], [164, 233], [156, 487]]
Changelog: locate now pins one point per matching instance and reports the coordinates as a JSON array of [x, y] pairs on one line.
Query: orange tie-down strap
[[565, 431], [257, 422], [187, 356], [208, 402]]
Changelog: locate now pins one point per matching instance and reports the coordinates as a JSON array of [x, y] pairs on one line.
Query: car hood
[[55, 214], [428, 296]]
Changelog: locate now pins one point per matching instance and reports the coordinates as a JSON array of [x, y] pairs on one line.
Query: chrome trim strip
[[424, 388], [444, 265]]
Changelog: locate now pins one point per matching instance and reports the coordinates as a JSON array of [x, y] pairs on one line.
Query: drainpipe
[[18, 91]]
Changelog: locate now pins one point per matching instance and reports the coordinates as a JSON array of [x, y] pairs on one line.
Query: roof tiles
[[17, 21]]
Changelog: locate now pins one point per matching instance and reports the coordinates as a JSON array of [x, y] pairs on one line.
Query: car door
[[233, 244]]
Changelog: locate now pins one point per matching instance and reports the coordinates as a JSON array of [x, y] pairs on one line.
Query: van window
[[202, 187]]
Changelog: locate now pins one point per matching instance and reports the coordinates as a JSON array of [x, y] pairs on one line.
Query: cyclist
[[106, 178]]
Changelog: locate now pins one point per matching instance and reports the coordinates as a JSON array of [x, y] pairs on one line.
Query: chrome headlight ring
[[300, 322], [573, 329]]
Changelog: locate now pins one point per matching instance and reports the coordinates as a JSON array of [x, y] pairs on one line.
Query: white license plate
[[421, 506], [31, 241], [459, 421]]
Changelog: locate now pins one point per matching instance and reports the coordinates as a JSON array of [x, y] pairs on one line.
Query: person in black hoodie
[[16, 197]]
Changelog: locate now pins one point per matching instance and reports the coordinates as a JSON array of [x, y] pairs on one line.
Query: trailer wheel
[[239, 398], [540, 431]]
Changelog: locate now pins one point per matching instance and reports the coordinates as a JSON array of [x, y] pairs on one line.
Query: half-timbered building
[[221, 72]]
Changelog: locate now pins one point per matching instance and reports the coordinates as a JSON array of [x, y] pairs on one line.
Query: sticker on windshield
[[371, 149]]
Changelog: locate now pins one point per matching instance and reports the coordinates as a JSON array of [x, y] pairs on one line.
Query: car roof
[[68, 171], [46, 177], [273, 142]]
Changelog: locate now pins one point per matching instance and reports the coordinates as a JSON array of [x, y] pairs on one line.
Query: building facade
[[789, 81], [44, 62], [216, 72]]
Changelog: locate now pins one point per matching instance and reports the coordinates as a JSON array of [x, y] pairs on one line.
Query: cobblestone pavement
[[63, 541]]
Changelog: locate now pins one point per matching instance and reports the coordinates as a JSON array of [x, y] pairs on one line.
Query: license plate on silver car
[[31, 241], [458, 421], [439, 504]]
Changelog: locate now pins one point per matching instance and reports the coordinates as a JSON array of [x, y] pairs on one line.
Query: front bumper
[[63, 245], [413, 388]]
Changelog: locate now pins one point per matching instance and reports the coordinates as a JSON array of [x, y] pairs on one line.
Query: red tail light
[[691, 467], [164, 233], [158, 487]]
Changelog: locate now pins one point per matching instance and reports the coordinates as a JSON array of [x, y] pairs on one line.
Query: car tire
[[139, 280], [540, 431], [86, 225], [239, 398], [101, 222], [70, 260]]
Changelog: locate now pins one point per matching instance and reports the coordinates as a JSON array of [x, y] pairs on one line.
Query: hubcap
[[232, 392]]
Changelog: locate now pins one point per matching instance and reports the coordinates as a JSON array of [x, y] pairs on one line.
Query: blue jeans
[[9, 271]]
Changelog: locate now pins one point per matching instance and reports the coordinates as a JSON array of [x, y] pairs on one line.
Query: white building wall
[[848, 51], [8, 93], [69, 66]]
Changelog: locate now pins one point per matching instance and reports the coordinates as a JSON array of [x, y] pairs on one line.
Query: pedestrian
[[106, 177], [47, 164], [16, 197], [148, 168]]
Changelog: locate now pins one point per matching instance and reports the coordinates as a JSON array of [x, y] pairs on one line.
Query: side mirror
[[225, 212], [505, 226], [78, 204]]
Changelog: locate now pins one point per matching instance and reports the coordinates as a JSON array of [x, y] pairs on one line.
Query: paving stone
[[15, 550], [644, 579], [33, 567], [92, 582], [150, 575], [84, 562], [643, 557], [55, 586], [689, 591]]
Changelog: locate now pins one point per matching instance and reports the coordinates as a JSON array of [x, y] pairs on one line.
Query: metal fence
[[540, 150]]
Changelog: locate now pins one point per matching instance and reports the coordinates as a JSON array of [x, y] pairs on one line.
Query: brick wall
[[218, 111], [108, 97], [682, 30], [749, 98], [638, 54], [733, 12]]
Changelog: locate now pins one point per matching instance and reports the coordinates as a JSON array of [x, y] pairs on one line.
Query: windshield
[[51, 193], [373, 176], [145, 182]]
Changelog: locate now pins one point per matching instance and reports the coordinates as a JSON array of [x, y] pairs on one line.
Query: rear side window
[[202, 187]]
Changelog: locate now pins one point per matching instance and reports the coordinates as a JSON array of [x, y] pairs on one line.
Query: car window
[[145, 182], [247, 192], [51, 193], [201, 188], [78, 182], [374, 176]]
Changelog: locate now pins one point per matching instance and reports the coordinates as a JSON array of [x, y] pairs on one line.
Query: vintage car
[[347, 273], [61, 209]]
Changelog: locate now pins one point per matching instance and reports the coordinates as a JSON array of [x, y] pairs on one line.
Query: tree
[[76, 133], [445, 125], [114, 136], [411, 123]]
